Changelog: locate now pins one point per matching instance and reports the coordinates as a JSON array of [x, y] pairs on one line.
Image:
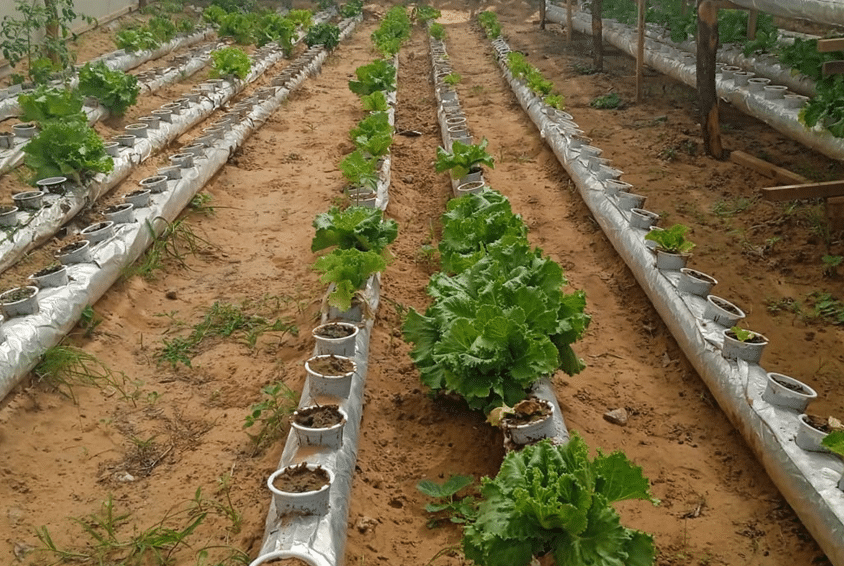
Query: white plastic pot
[[777, 394], [720, 315], [155, 184], [344, 346], [333, 385], [120, 213], [307, 503], [627, 201], [695, 282], [80, 254], [808, 437], [734, 349], [56, 278], [29, 200], [532, 431], [96, 233], [139, 198], [9, 216], [25, 131], [329, 437], [52, 184], [671, 262], [643, 219], [137, 130], [281, 555], [20, 307]]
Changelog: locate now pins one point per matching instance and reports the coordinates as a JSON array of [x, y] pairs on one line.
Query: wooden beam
[[542, 9], [810, 190], [833, 68], [707, 43], [726, 5], [766, 168], [640, 53], [597, 35], [752, 20], [569, 17], [827, 45]]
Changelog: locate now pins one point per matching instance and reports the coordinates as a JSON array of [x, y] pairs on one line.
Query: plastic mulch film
[[681, 66], [118, 60], [806, 479]]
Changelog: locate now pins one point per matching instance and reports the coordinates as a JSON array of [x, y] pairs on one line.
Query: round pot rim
[[342, 423], [61, 267], [726, 332], [18, 288], [51, 181], [781, 376], [281, 554], [643, 212], [88, 230], [682, 254], [153, 179], [339, 375], [532, 423], [693, 273], [340, 322], [120, 207], [79, 248], [802, 418], [709, 300], [11, 209], [292, 495], [28, 194]]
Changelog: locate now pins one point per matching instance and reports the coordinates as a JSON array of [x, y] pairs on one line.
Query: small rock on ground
[[616, 416]]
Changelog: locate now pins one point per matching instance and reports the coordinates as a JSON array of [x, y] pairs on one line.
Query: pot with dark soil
[[285, 558], [51, 276], [120, 213], [695, 282], [528, 421], [138, 199], [336, 338], [55, 185], [359, 309], [320, 425], [811, 431], [722, 311], [301, 489], [29, 200], [20, 301], [786, 391], [740, 344], [330, 375], [77, 252], [96, 233]]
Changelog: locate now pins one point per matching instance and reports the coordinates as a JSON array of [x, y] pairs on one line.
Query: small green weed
[[271, 414], [583, 69], [831, 264], [826, 307], [730, 207], [458, 510], [606, 102], [64, 367], [223, 320], [89, 321], [225, 508], [176, 242], [200, 203]]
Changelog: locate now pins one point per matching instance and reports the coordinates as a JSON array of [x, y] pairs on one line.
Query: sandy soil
[[180, 428]]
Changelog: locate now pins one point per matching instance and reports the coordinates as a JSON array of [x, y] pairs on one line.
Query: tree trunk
[[707, 43], [52, 31], [598, 35]]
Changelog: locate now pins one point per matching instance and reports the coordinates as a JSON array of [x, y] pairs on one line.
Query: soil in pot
[[335, 331], [527, 411], [48, 270], [98, 226], [755, 339], [321, 416], [72, 247], [299, 479], [790, 386], [331, 365], [18, 294], [819, 423], [727, 307]]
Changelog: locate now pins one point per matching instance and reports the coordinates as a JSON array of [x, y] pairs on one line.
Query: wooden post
[[568, 20], [640, 53], [542, 14], [707, 43], [597, 35], [752, 18]]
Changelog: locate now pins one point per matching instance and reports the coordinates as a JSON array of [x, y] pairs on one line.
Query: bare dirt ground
[[182, 427]]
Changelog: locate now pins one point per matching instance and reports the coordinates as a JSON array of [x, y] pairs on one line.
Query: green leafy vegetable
[[214, 14], [133, 40], [239, 26], [230, 61], [463, 159], [115, 90], [606, 102], [424, 14], [359, 170], [272, 27], [741, 334], [374, 134], [378, 75], [348, 269], [557, 101], [68, 148], [459, 510], [356, 227], [375, 102], [351, 8], [437, 31], [555, 499], [49, 103], [489, 21], [834, 441], [302, 18], [393, 31], [671, 240], [325, 34]]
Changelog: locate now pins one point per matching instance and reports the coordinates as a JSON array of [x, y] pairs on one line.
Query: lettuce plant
[[230, 61], [373, 135], [272, 27], [49, 103], [378, 75], [239, 26], [349, 270], [834, 441], [302, 18], [359, 170], [556, 499], [351, 8], [489, 21], [463, 159], [68, 148], [357, 227], [375, 102], [437, 31], [671, 240], [133, 40], [115, 90], [325, 34], [393, 31]]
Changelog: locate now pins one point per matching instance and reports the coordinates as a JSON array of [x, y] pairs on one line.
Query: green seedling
[[834, 441], [606, 102], [557, 101], [65, 367], [671, 240], [271, 414], [176, 243], [831, 264], [452, 79], [458, 510], [742, 335]]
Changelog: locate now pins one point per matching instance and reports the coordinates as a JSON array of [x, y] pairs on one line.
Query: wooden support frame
[[640, 52], [569, 17], [598, 35], [826, 189], [707, 43], [766, 168], [828, 45], [752, 21], [542, 9]]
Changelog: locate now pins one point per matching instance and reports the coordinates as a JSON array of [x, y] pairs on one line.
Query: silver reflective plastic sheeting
[[681, 66], [806, 479]]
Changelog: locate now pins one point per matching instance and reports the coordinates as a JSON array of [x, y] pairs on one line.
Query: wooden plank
[[640, 53], [597, 35], [833, 68], [766, 168], [707, 34], [827, 45], [568, 20], [810, 190], [541, 14], [752, 20]]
